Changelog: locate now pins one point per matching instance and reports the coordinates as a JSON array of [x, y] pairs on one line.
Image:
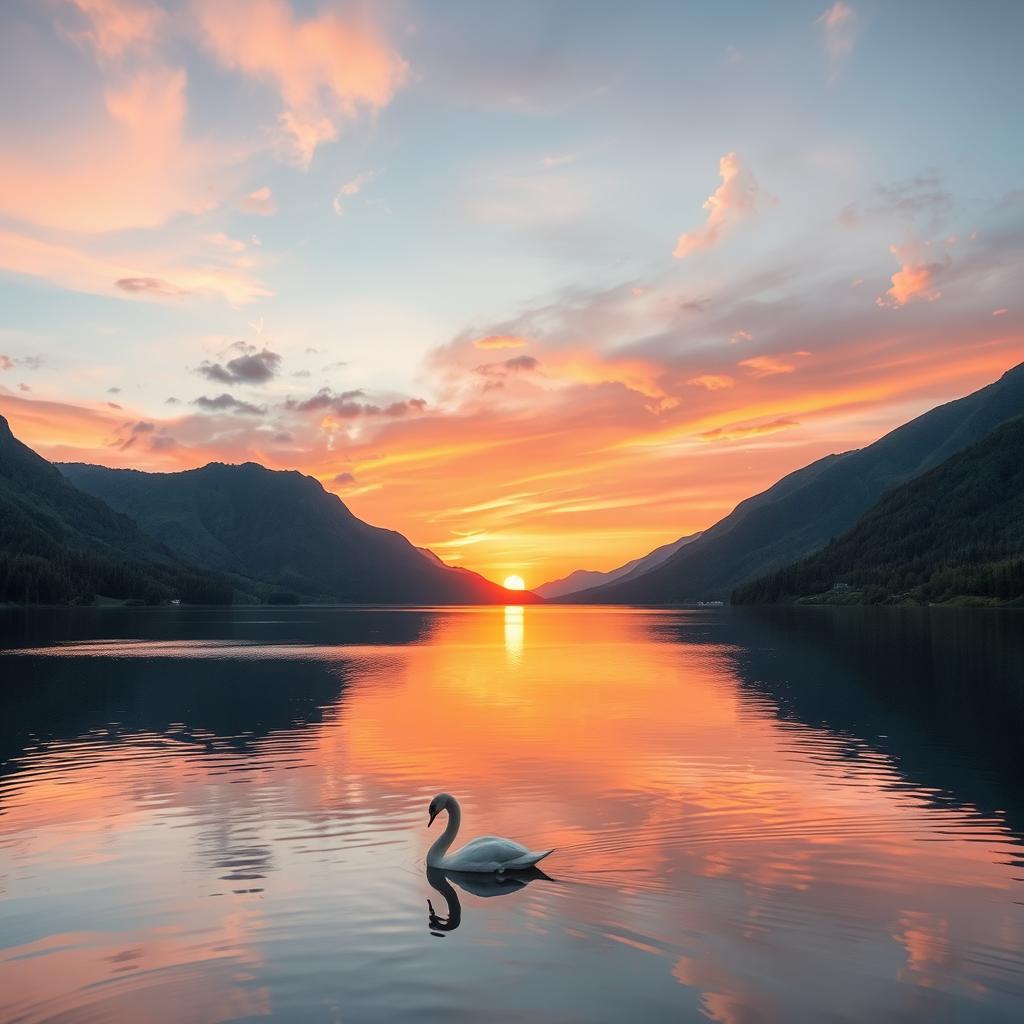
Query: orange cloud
[[738, 433], [712, 381], [916, 278], [734, 199], [500, 341], [325, 68], [769, 366]]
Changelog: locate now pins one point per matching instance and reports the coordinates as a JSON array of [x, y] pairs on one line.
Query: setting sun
[[514, 583]]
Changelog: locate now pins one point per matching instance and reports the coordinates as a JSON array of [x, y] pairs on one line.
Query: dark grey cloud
[[143, 427], [172, 401], [283, 437], [228, 403], [162, 443], [113, 391], [344, 405], [251, 367]]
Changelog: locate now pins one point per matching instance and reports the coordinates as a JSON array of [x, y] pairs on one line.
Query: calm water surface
[[793, 816]]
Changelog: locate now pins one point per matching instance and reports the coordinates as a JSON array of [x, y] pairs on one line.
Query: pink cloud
[[915, 280], [128, 166], [164, 276], [117, 26], [839, 25], [325, 68], [734, 199], [1000, 312], [260, 202]]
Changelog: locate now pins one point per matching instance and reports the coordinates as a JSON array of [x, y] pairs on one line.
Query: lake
[[760, 815]]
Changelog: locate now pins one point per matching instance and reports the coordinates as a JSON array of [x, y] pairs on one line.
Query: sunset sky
[[542, 286]]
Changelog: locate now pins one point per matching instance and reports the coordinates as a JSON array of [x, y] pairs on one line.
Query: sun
[[514, 583]]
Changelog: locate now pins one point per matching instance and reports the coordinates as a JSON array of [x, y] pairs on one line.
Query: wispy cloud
[[839, 27], [326, 69], [735, 199]]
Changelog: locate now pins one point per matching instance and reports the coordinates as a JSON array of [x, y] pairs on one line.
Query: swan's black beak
[[433, 815]]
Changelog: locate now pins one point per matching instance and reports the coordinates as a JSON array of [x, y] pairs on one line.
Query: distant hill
[[285, 530], [60, 546], [581, 579], [806, 509], [955, 533]]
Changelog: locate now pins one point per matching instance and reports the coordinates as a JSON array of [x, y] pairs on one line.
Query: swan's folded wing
[[493, 848]]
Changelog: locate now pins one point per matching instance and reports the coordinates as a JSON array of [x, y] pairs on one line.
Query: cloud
[[113, 27], [143, 427], [1000, 312], [228, 403], [350, 188], [736, 198], [500, 341], [260, 202], [6, 363], [326, 68], [916, 280], [149, 286], [125, 162], [839, 27], [712, 381], [343, 478], [516, 364], [740, 336], [251, 367], [157, 276], [113, 391], [344, 405], [758, 430], [162, 443], [771, 366], [919, 197]]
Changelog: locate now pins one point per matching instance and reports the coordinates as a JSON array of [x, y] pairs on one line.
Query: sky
[[541, 285]]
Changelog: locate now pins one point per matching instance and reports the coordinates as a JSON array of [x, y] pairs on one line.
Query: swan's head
[[440, 803]]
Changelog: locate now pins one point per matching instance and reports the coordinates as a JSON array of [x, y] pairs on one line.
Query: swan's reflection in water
[[475, 884]]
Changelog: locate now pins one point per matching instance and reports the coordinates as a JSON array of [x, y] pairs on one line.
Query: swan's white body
[[485, 855]]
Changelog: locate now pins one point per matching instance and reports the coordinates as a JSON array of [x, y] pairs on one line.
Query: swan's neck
[[435, 855]]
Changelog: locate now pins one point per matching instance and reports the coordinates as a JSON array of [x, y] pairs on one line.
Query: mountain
[[60, 546], [581, 579], [804, 510], [285, 530], [954, 533]]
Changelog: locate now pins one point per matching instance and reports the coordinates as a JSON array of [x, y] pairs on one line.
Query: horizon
[[633, 272]]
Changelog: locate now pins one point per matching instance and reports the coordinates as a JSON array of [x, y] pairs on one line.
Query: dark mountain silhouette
[[582, 579], [284, 530], [955, 532], [805, 510], [58, 545]]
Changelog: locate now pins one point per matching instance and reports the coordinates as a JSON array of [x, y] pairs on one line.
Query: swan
[[487, 854]]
